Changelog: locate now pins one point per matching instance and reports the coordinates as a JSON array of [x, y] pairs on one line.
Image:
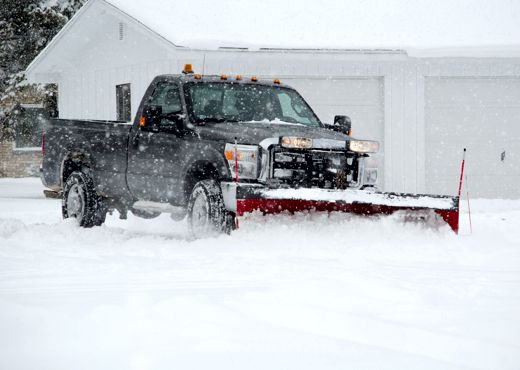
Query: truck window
[[293, 108], [219, 102], [123, 98], [168, 97]]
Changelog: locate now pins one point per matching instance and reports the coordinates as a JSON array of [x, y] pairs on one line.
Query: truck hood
[[254, 132]]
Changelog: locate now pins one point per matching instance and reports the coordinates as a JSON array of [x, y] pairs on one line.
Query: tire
[[80, 201], [207, 215]]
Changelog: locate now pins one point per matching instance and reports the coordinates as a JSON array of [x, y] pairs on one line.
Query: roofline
[[136, 21], [55, 40], [323, 50], [58, 36], [74, 19]]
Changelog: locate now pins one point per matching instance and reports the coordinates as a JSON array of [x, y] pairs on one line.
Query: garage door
[[483, 115], [359, 98]]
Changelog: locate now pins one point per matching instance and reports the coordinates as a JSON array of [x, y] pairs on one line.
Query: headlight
[[363, 146], [247, 156], [295, 142]]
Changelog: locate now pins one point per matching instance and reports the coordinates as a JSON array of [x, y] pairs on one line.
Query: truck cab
[[278, 138]]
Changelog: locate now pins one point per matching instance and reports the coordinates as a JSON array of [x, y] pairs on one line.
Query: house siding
[[87, 80]]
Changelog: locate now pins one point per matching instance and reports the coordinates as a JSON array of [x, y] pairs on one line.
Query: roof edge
[[57, 37], [30, 70], [136, 21]]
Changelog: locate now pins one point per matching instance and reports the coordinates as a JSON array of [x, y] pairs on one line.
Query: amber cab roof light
[[254, 79], [223, 77], [277, 82], [188, 69], [197, 76], [238, 77]]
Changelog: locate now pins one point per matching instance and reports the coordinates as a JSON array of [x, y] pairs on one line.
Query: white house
[[424, 88]]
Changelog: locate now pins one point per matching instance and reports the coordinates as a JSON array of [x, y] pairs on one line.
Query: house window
[[51, 101], [28, 126], [123, 97]]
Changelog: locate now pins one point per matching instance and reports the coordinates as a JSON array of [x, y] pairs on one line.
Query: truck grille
[[310, 168]]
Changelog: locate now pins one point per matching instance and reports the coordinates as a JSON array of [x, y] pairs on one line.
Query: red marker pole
[[462, 173], [461, 177], [236, 182]]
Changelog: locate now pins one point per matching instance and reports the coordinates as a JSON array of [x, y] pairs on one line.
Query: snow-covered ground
[[305, 292]]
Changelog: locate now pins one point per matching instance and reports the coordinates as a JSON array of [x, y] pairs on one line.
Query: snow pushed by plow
[[284, 292]]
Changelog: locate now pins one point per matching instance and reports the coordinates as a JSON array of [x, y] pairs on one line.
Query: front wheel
[[81, 202], [207, 215]]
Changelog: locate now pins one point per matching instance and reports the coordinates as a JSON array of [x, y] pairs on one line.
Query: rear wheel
[[207, 215], [80, 201]]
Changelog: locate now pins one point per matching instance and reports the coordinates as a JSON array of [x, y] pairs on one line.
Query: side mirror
[[343, 124], [151, 117]]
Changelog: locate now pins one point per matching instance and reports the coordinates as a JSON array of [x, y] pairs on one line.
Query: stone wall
[[18, 162]]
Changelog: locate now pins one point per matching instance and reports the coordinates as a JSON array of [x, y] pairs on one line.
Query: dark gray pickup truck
[[190, 135]]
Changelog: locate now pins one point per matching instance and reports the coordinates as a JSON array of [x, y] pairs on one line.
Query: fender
[[77, 155], [204, 161]]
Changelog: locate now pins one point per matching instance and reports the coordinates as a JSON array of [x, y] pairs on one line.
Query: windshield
[[233, 102]]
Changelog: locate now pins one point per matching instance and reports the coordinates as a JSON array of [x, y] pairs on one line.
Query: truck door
[[154, 156]]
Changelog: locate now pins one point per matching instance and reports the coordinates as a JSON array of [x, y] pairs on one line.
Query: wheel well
[[200, 171], [71, 164]]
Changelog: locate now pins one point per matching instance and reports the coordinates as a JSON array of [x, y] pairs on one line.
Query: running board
[[145, 205], [52, 194]]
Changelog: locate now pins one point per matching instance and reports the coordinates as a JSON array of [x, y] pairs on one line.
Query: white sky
[[388, 24]]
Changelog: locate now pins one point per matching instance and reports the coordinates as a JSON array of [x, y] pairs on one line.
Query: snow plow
[[429, 209]]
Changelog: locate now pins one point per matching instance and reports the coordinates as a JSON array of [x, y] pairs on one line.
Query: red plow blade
[[360, 202]]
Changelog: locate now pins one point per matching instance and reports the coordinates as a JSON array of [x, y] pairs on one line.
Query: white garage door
[[359, 98], [483, 115]]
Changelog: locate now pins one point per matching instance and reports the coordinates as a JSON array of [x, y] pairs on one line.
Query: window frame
[[22, 149]]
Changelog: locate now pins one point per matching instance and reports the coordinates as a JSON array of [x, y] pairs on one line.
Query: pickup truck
[[192, 138]]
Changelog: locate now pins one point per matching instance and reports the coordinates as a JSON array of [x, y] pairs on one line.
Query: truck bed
[[103, 144]]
